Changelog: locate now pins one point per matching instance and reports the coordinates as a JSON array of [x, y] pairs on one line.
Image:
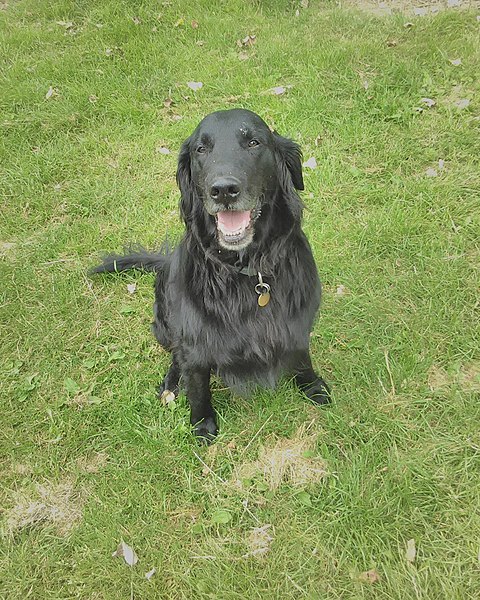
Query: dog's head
[[230, 168]]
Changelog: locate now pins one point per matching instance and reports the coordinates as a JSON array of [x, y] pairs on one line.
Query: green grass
[[400, 443]]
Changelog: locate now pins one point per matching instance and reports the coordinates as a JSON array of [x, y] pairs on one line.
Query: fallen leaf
[[408, 25], [370, 576], [463, 103], [150, 573], [249, 40], [194, 24], [180, 22], [128, 554], [428, 102], [66, 24], [431, 172], [411, 551], [392, 43], [92, 98], [221, 517], [311, 163], [71, 386], [162, 150], [136, 20], [131, 287], [304, 498], [456, 62], [167, 103], [195, 85], [51, 93], [167, 397]]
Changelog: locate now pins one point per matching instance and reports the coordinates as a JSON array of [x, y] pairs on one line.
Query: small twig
[[209, 469], [389, 372], [253, 438], [60, 260]]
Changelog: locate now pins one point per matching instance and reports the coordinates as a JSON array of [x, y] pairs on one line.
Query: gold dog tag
[[263, 291], [264, 299]]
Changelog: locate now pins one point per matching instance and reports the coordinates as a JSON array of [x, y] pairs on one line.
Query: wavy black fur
[[206, 312]]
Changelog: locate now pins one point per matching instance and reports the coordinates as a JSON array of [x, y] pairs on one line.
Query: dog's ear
[[184, 181], [291, 155]]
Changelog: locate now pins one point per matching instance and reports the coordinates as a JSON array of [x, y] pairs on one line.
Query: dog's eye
[[201, 149], [253, 143]]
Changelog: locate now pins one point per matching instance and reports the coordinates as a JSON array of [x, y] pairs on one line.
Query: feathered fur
[[206, 311]]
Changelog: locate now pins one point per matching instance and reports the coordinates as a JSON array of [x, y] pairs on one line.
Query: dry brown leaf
[[370, 576], [411, 551], [194, 24], [51, 93], [167, 397], [462, 103], [311, 163], [428, 102], [249, 40], [136, 20], [127, 553], [150, 573]]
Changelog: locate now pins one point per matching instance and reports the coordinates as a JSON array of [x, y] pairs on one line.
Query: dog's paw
[[318, 392], [206, 430]]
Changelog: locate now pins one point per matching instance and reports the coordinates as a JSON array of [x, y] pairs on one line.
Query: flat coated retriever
[[239, 293]]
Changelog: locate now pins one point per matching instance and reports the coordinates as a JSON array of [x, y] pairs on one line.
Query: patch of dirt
[[467, 377], [57, 504], [293, 461], [437, 378], [93, 463], [416, 8], [258, 541]]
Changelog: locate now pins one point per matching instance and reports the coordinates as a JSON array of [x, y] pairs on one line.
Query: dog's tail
[[135, 258]]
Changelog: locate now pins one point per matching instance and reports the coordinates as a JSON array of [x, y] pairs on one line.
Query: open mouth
[[235, 229]]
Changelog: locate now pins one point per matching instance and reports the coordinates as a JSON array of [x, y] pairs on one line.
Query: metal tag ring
[[262, 288]]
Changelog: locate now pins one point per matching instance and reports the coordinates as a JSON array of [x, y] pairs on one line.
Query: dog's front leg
[[311, 384], [202, 416]]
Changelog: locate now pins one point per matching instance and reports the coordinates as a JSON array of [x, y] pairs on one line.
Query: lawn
[[376, 496]]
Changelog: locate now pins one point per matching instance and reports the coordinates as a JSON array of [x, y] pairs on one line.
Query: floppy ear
[[289, 165], [184, 181], [291, 156]]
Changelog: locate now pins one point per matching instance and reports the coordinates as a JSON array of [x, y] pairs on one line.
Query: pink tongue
[[232, 221]]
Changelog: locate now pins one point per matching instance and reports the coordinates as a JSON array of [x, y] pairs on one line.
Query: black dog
[[239, 294]]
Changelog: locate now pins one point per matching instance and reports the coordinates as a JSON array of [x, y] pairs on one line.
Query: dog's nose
[[225, 189]]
